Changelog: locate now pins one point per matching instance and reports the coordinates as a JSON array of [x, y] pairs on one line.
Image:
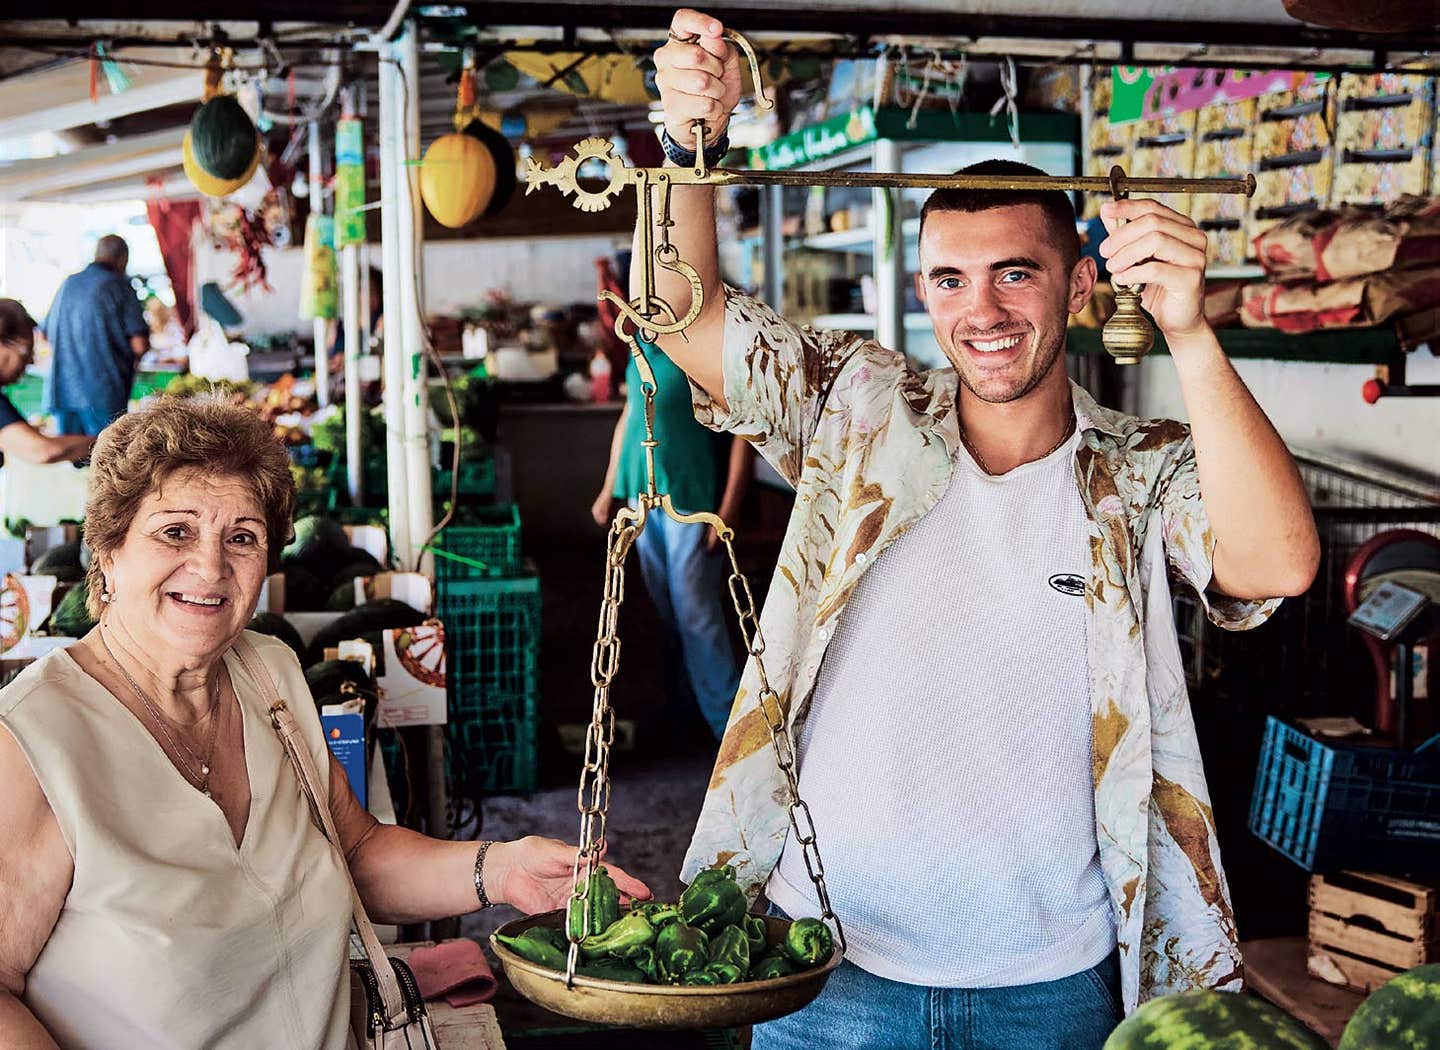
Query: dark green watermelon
[[62, 562], [504, 154], [1209, 1020], [304, 590], [71, 619], [276, 626], [222, 137], [367, 621], [1402, 1014], [326, 677]]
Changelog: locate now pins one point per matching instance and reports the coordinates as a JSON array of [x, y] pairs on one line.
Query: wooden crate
[[1366, 928]]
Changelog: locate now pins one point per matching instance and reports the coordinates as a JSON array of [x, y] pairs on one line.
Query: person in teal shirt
[[684, 567]]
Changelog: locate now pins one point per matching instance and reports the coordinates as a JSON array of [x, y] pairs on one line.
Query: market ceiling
[[117, 143]]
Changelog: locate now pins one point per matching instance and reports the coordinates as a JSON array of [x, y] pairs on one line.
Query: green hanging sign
[[349, 183], [817, 142]]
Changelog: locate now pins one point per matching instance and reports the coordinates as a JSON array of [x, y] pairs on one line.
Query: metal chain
[[593, 796], [776, 713]]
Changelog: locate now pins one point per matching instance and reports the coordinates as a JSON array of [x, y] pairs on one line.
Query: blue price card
[[346, 736]]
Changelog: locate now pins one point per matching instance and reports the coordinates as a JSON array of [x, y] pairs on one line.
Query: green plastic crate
[[492, 636], [488, 545], [477, 479]]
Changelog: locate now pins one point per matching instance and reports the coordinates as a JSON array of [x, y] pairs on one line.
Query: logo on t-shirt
[[1068, 583]]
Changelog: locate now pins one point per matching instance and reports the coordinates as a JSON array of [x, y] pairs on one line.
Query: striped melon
[[1402, 1014], [1208, 1020]]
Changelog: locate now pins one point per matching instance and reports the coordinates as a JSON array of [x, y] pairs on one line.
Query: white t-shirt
[[946, 757]]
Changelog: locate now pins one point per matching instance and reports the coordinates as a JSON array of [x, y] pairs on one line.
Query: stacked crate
[[1384, 127], [1109, 144], [489, 601], [1223, 151], [1293, 154], [1366, 928]]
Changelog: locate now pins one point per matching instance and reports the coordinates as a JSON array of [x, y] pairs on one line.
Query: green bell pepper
[[720, 871], [633, 931], [713, 904], [604, 906], [772, 966], [660, 915], [535, 947], [729, 955], [706, 976], [680, 949], [612, 970], [809, 942], [754, 928], [643, 959]]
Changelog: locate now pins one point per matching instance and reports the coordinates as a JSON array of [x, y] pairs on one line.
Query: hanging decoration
[[349, 182], [470, 120], [318, 297], [222, 148], [458, 174]]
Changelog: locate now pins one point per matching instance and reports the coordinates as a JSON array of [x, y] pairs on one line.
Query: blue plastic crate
[[1334, 805]]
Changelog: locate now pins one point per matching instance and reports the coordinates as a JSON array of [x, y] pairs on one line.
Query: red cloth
[[457, 970], [173, 222]]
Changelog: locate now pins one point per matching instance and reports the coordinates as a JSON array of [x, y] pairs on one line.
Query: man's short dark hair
[[111, 250], [1059, 213]]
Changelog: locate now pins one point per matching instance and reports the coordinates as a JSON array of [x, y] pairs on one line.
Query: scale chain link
[[775, 720]]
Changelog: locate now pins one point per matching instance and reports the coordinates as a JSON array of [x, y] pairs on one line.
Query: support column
[[411, 247], [392, 200], [317, 207], [889, 254]]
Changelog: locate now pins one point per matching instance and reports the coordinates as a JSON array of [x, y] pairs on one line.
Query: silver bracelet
[[485, 902]]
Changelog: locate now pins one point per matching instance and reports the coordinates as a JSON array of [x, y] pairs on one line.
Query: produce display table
[[1275, 970]]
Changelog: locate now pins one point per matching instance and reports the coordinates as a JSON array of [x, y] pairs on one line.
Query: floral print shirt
[[868, 445]]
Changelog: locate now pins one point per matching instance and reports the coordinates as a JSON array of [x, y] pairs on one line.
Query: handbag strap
[[396, 1013]]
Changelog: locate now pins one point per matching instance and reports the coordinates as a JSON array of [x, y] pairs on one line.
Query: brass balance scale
[[1127, 336]]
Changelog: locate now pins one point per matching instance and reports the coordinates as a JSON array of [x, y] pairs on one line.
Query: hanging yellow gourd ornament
[[224, 135], [457, 176]]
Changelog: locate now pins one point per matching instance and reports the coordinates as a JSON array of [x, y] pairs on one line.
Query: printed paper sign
[[412, 690]]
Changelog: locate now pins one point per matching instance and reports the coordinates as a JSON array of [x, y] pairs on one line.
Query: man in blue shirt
[[98, 333], [17, 437]]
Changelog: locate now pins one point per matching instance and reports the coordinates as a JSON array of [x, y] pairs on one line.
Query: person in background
[[98, 334], [17, 437], [377, 324], [683, 566]]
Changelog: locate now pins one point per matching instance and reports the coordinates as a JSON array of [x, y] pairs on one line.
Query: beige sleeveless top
[[171, 937]]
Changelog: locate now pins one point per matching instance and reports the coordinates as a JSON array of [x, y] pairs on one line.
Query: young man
[[98, 333], [997, 749]]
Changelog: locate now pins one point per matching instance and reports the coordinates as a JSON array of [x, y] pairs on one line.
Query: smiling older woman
[[164, 886]]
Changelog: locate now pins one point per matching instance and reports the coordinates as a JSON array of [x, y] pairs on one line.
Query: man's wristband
[[485, 902], [685, 158]]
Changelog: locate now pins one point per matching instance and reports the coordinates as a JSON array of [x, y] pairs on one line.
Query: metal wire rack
[[1306, 660]]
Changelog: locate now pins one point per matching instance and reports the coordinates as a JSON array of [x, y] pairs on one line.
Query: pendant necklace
[[201, 779]]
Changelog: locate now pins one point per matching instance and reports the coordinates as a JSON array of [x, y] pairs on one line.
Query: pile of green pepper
[[708, 938]]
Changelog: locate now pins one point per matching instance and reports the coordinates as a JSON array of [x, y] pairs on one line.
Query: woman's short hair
[[135, 454]]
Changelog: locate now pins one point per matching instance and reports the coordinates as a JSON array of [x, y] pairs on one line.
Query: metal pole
[[889, 252], [317, 207], [392, 199], [772, 219], [416, 405]]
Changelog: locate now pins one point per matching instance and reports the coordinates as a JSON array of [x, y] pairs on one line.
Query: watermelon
[[223, 139], [1210, 1020], [1402, 1014], [366, 621], [303, 590], [62, 562], [276, 626], [71, 618]]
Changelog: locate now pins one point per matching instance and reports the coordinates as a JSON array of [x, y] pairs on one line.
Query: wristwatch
[[685, 158]]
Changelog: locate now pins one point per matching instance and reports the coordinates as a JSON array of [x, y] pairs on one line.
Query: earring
[[105, 596]]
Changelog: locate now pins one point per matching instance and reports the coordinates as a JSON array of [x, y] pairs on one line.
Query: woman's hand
[[537, 874]]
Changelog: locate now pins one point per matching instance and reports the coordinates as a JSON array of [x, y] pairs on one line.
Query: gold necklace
[[980, 460], [201, 779]]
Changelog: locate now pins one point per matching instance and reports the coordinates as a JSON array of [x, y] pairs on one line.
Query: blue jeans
[[687, 585], [859, 1011], [83, 420]]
